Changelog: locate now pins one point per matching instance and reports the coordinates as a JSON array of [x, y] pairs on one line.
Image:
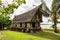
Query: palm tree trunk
[[55, 22]]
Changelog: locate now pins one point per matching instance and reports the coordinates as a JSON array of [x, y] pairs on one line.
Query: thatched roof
[[27, 16]]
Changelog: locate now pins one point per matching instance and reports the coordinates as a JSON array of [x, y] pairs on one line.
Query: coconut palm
[[54, 14], [55, 7]]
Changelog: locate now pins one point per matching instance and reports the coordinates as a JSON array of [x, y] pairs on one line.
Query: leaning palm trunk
[[55, 22], [54, 10]]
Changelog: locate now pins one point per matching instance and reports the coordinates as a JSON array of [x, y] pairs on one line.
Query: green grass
[[45, 35]]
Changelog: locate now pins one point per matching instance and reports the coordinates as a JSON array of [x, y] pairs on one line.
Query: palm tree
[[54, 10], [54, 14]]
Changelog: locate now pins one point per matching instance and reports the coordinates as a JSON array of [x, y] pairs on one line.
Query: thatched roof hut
[[29, 20]]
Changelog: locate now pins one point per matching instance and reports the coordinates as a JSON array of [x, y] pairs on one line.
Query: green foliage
[[4, 21], [4, 11], [0, 1], [49, 20], [20, 1], [11, 7]]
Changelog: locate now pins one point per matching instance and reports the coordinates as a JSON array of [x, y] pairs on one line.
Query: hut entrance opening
[[20, 24], [33, 25], [25, 25]]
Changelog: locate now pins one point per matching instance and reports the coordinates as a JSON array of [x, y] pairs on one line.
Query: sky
[[9, 1], [28, 6]]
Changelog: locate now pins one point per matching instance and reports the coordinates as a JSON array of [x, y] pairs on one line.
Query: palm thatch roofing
[[27, 16]]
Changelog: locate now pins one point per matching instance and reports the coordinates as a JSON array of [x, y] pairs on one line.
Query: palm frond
[[46, 11], [55, 4]]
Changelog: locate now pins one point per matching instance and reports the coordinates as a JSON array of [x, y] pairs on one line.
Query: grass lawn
[[14, 35]]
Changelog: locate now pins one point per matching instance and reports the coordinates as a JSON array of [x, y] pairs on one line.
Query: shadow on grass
[[47, 35]]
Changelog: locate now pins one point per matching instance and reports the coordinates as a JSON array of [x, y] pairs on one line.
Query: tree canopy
[[5, 11]]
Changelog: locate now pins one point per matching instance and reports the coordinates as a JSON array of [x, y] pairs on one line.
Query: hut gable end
[[37, 17]]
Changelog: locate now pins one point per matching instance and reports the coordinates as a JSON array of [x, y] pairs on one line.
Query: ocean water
[[47, 25]]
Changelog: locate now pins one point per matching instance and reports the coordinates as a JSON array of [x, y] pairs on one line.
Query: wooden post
[[28, 27], [39, 26]]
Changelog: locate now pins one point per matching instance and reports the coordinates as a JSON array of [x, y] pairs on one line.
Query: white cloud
[[48, 3], [7, 1], [33, 2]]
